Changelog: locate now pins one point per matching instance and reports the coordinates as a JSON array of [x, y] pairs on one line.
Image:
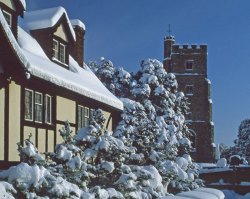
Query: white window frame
[[56, 51], [46, 109], [62, 46], [189, 94], [86, 117], [41, 104], [32, 103], [80, 125], [10, 16], [186, 63]]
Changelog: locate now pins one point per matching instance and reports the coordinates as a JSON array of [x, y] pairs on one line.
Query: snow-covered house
[[43, 80]]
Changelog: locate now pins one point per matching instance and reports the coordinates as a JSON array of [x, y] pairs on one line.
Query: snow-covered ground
[[232, 195]]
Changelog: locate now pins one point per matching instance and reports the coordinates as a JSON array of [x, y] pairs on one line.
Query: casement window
[[62, 53], [83, 115], [28, 105], [189, 64], [8, 17], [38, 107], [55, 48], [48, 109], [59, 51], [189, 89]]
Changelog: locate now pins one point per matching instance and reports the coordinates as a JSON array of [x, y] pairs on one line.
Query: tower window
[[189, 89], [189, 64], [7, 17]]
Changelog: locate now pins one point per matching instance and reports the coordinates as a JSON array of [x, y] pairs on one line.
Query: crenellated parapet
[[186, 48]]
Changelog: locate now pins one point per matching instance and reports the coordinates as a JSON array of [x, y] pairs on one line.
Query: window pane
[[38, 107], [7, 17], [48, 110], [86, 116], [38, 113], [38, 98], [189, 65], [55, 49], [189, 89], [80, 117], [28, 105], [62, 53]]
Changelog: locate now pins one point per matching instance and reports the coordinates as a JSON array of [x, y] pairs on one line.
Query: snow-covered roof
[[77, 79], [46, 18], [77, 22], [12, 41], [23, 3]]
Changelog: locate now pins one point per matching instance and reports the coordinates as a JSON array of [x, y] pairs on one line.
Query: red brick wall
[[76, 49]]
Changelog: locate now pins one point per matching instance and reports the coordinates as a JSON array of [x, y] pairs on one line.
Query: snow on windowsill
[[58, 61]]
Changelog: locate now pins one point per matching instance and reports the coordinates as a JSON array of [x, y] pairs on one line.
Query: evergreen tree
[[242, 143], [153, 123]]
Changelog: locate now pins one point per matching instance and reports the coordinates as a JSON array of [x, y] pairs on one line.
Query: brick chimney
[[77, 48]]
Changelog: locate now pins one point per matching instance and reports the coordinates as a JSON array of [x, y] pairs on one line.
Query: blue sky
[[127, 31]]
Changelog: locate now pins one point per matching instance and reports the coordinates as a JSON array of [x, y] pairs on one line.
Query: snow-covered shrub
[[29, 153], [7, 191], [36, 181]]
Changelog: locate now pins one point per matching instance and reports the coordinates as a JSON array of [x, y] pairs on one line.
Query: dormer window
[[59, 51], [8, 17], [62, 53], [55, 48]]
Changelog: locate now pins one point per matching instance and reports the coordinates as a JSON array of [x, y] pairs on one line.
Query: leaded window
[[83, 115], [62, 53], [55, 48], [48, 109], [38, 107], [28, 103], [8, 17]]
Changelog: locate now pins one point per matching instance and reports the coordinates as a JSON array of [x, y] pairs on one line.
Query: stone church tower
[[189, 64]]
